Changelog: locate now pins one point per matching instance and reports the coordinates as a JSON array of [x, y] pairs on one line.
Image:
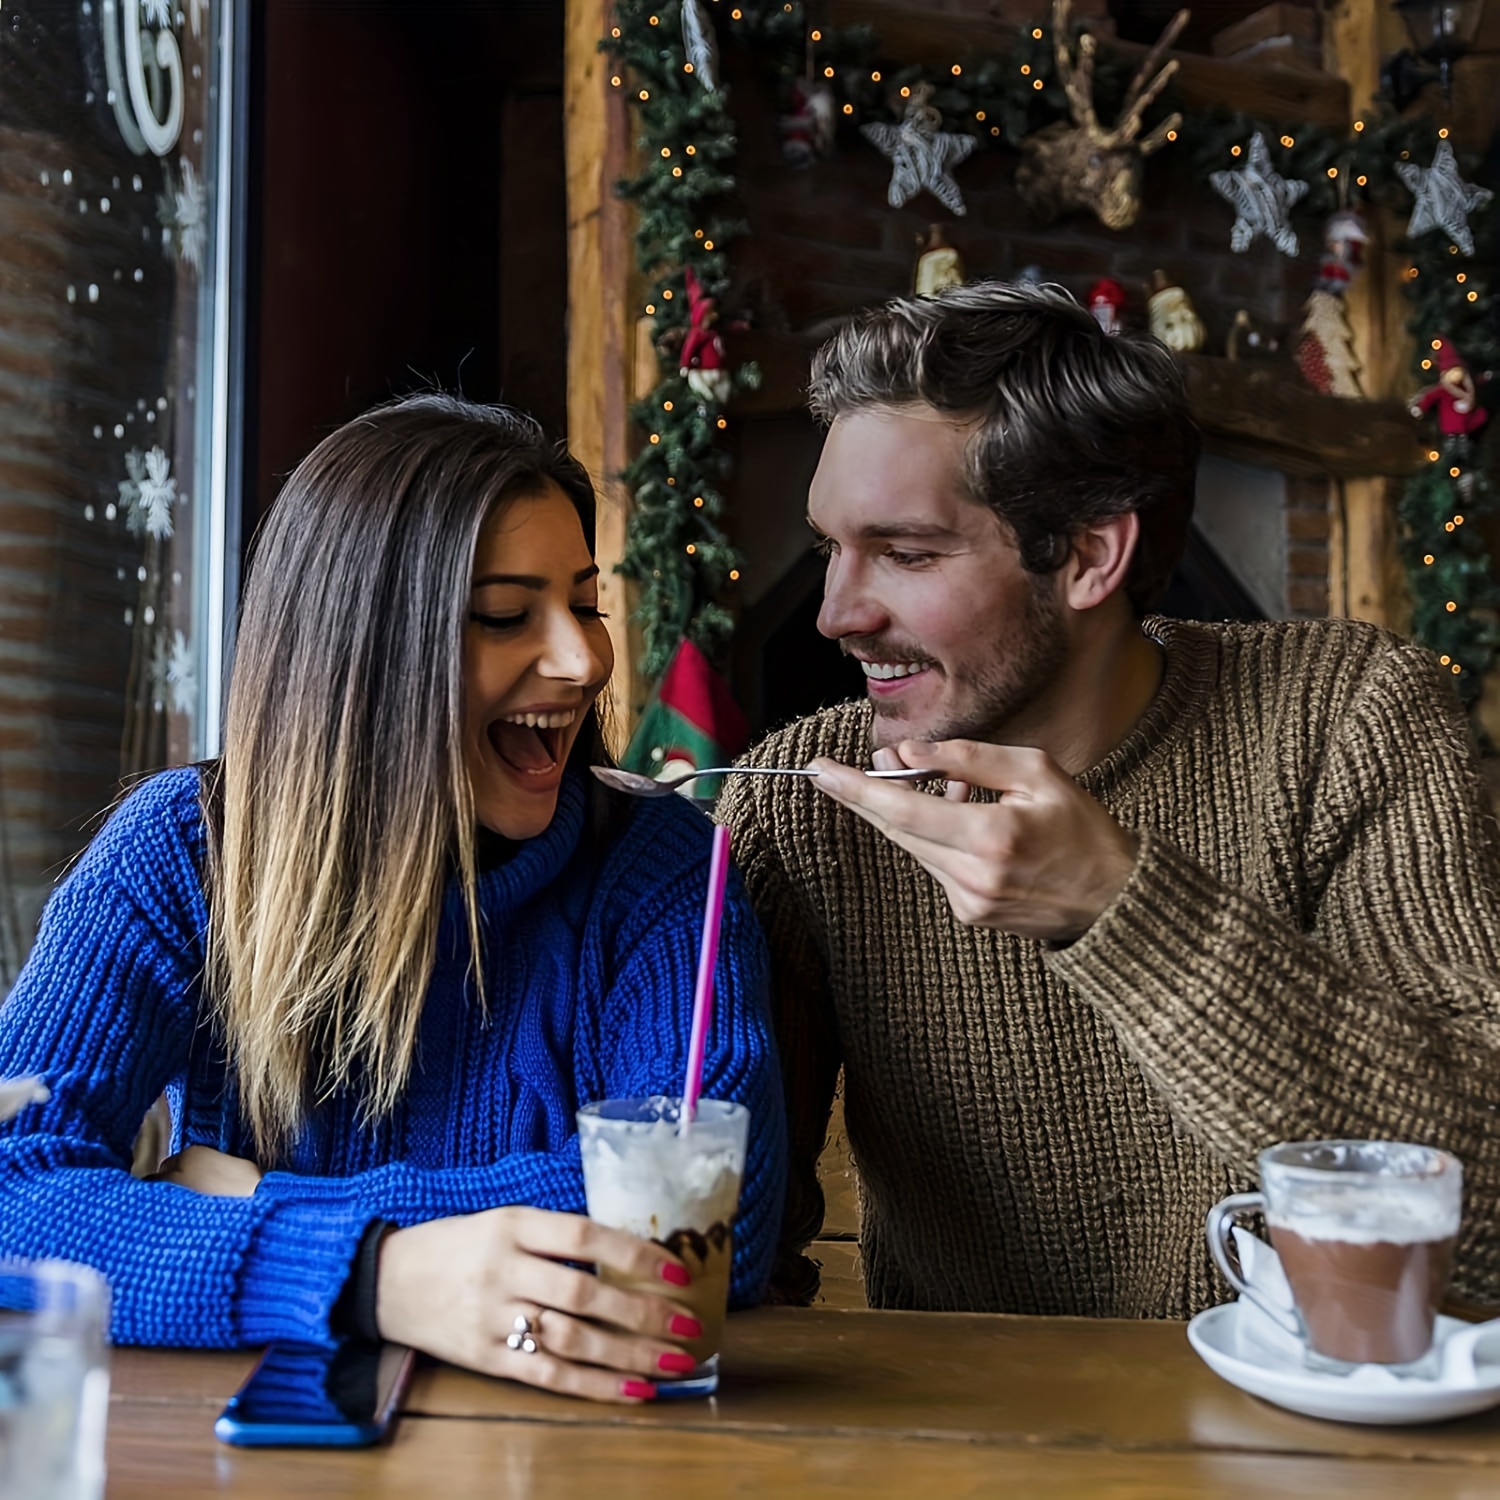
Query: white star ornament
[[1444, 199], [1262, 201], [922, 156]]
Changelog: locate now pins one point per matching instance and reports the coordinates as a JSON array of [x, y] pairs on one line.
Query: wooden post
[[600, 332], [1365, 579]]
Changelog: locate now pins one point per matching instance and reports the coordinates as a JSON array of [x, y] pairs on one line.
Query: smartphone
[[303, 1397]]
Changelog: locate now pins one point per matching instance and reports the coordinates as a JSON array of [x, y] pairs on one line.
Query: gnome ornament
[[1172, 318], [1454, 398], [1107, 303], [703, 360]]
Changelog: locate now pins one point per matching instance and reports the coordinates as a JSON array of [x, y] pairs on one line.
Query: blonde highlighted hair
[[341, 808]]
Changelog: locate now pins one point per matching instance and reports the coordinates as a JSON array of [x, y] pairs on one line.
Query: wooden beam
[[910, 32], [599, 333]]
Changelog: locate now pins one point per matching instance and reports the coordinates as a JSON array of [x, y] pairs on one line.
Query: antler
[[1077, 83], [1141, 94]]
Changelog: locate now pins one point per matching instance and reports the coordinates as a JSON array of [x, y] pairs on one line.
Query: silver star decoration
[[182, 212], [1444, 199], [1262, 200], [922, 155]]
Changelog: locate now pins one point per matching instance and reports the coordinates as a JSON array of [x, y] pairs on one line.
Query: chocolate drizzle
[[698, 1243]]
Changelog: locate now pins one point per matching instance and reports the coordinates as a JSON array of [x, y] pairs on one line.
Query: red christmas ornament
[[704, 360]]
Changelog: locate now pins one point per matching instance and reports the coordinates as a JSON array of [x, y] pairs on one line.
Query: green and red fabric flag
[[691, 721]]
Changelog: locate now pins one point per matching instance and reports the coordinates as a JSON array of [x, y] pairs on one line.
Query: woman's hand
[[455, 1287], [205, 1170]]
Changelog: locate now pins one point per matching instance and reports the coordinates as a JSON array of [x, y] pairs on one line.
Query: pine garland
[[678, 552]]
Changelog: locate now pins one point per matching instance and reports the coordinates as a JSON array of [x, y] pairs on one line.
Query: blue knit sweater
[[589, 966]]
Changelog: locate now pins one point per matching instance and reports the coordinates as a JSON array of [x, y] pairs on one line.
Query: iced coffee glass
[[648, 1172], [1365, 1233]]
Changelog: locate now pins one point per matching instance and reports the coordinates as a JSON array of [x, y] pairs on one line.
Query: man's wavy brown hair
[[1071, 426]]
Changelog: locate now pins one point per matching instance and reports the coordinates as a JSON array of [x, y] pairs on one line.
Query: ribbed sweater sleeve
[[1378, 1012], [103, 1010]]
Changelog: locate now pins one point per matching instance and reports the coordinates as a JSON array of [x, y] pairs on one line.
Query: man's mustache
[[881, 648]]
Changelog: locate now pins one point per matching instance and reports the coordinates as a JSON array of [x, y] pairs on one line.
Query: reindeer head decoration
[[1083, 165]]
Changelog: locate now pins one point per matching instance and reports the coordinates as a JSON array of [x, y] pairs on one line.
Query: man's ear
[[1099, 559]]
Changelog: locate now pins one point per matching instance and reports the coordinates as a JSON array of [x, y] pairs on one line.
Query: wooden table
[[822, 1402]]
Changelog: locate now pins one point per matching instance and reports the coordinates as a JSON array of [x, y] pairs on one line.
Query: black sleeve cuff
[[353, 1315]]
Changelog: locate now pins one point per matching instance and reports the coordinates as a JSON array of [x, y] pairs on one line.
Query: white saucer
[[1241, 1344]]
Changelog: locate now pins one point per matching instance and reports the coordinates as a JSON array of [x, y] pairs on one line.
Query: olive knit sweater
[[1308, 947]]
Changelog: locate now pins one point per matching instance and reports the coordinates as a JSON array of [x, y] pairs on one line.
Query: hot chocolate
[[1370, 1302]]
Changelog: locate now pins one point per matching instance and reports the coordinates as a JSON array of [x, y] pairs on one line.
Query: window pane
[[109, 186]]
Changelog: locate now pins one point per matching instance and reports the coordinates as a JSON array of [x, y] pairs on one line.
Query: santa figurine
[[703, 360], [939, 264], [1459, 413], [1107, 303]]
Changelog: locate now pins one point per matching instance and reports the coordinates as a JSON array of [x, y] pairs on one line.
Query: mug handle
[[1220, 1221]]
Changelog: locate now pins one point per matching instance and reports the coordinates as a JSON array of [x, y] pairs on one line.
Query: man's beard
[[995, 692]]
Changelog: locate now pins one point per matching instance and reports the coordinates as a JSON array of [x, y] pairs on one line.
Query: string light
[[1358, 126], [956, 70], [1446, 660], [691, 550], [721, 424], [734, 575], [1456, 669], [1363, 181], [1429, 559], [979, 115], [615, 81], [1472, 296], [666, 296], [905, 92], [1412, 273], [1437, 343], [994, 130], [692, 150], [666, 406], [614, 31], [1333, 171], [708, 244], [1025, 70], [656, 437], [1454, 473], [1461, 278], [1171, 135], [1234, 150], [650, 307], [698, 501], [1036, 83], [666, 150], [874, 77], [645, 95], [848, 109], [697, 234], [1458, 520], [1432, 455], [737, 15], [1288, 142], [1443, 133], [1426, 364], [656, 20], [1450, 606], [687, 67], [1036, 33], [817, 36], [671, 479], [828, 72], [676, 172], [1449, 526]]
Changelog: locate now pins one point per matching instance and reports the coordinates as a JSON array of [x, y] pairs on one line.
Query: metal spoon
[[648, 786]]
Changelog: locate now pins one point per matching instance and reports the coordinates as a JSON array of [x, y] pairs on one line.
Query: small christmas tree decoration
[[807, 131], [703, 360], [1325, 352], [1444, 199], [922, 154], [1172, 318], [1454, 397], [938, 264], [1083, 165], [1262, 200], [1106, 301], [700, 43]]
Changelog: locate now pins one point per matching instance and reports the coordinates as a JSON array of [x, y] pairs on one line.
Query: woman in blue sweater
[[385, 947]]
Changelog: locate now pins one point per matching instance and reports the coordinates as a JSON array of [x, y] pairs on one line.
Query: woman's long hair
[[342, 806]]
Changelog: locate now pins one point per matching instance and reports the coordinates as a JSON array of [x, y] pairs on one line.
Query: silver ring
[[523, 1335]]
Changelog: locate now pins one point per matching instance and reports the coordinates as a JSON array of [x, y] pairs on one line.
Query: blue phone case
[[306, 1397]]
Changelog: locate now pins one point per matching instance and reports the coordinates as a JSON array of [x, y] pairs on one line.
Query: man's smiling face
[[925, 586]]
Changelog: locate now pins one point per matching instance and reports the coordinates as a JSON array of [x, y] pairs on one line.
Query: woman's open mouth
[[531, 744]]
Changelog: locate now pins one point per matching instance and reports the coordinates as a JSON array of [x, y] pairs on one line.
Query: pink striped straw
[[708, 953]]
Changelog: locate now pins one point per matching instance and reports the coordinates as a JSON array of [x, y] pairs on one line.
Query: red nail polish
[[677, 1275], [678, 1364], [638, 1390], [685, 1327]]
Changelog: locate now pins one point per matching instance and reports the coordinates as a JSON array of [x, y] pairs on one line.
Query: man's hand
[[1043, 862]]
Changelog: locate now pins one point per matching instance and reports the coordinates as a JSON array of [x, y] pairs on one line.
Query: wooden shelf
[[1258, 413], [908, 30]]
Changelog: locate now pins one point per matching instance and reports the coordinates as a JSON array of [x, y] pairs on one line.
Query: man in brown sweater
[[1189, 890]]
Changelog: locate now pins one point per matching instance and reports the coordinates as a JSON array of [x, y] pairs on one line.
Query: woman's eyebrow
[[533, 580]]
